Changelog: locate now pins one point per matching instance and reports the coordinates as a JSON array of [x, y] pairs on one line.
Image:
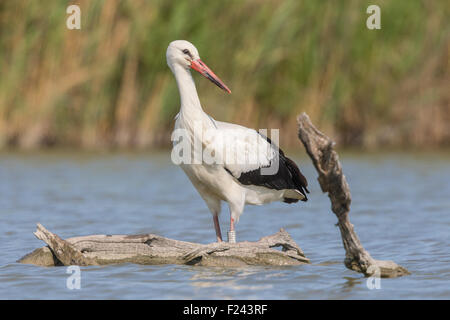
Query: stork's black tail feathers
[[299, 180]]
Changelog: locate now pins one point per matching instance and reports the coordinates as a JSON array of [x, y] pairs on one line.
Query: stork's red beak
[[203, 69]]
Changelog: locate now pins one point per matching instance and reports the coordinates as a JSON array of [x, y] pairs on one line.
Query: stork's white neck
[[190, 102]]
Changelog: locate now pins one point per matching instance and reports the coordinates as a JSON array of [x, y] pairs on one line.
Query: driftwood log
[[154, 249], [332, 180]]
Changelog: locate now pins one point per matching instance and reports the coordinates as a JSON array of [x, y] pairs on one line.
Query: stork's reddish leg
[[217, 227], [231, 233]]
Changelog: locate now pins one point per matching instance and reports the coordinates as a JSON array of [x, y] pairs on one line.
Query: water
[[400, 209]]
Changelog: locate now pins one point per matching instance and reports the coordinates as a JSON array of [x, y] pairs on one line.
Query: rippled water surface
[[400, 209]]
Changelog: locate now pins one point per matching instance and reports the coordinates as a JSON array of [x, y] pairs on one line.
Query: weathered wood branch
[[332, 180], [154, 249], [65, 252]]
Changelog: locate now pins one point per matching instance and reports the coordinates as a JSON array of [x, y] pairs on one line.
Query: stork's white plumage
[[238, 176]]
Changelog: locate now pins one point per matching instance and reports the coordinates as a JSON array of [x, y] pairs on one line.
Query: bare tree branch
[[332, 180]]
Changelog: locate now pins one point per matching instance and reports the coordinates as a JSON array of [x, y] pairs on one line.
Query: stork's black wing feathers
[[288, 176]]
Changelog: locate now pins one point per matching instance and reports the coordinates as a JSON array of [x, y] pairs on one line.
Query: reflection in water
[[329, 263], [80, 194], [225, 283], [230, 284], [351, 282]]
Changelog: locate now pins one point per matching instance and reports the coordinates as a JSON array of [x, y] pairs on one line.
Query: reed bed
[[108, 85]]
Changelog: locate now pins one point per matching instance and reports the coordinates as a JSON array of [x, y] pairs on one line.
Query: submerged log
[[332, 180], [153, 249]]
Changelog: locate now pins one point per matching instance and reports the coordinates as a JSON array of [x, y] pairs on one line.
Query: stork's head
[[183, 53]]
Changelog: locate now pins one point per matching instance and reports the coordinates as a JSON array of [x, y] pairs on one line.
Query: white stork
[[237, 183]]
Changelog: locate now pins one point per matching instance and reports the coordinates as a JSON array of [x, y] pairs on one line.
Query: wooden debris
[[332, 180], [154, 249]]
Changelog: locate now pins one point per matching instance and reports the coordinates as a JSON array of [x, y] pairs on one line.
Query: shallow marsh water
[[400, 210]]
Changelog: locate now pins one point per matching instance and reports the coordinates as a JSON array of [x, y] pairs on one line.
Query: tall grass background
[[108, 85]]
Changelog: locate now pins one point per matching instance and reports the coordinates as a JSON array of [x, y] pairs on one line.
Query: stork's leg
[[214, 206], [217, 227], [236, 208], [231, 224]]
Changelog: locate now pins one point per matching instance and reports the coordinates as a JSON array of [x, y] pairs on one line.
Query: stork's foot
[[232, 236], [219, 239]]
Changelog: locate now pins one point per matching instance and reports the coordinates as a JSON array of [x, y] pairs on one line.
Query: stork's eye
[[186, 51]]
